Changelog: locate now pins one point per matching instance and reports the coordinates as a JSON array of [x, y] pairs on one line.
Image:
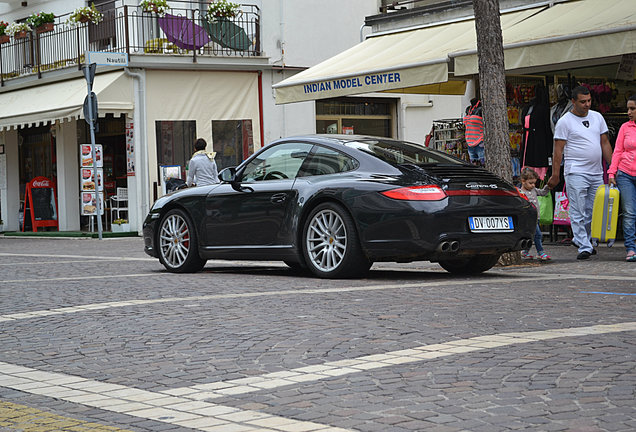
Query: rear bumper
[[419, 230]]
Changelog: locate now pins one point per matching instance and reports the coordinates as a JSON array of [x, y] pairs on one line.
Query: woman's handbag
[[546, 209], [561, 208]]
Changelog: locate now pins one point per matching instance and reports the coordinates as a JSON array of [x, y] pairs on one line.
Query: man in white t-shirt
[[580, 136]]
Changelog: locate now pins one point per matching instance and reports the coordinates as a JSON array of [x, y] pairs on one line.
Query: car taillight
[[416, 193]]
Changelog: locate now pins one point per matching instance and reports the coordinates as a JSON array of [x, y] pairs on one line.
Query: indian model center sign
[[370, 82]]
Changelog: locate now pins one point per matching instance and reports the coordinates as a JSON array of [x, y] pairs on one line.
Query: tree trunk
[[492, 84]]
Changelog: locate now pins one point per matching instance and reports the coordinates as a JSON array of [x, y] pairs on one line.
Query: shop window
[[112, 136], [37, 154], [355, 116], [233, 141], [175, 142]]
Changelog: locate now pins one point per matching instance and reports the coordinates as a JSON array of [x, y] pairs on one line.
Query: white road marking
[[84, 257], [370, 362], [134, 302], [149, 405], [189, 406]]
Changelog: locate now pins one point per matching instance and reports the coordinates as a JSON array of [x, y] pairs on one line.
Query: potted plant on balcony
[[157, 6], [85, 14], [42, 22], [4, 38], [18, 30], [223, 10]]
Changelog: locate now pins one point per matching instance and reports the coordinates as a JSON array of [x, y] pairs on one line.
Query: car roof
[[336, 138]]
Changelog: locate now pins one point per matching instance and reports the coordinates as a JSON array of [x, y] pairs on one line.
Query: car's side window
[[281, 161], [327, 161]]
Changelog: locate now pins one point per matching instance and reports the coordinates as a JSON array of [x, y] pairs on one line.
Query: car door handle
[[278, 198]]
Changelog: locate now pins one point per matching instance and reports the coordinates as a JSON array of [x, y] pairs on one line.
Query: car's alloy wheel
[[331, 245], [178, 243]]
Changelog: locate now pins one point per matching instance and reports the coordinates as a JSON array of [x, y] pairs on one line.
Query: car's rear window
[[401, 152]]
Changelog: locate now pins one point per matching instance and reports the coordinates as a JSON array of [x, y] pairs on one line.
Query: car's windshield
[[400, 152]]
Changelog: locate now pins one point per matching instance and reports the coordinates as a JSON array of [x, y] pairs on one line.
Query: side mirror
[[228, 175]]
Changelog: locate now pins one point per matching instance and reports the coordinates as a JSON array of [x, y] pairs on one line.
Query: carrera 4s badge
[[481, 186]]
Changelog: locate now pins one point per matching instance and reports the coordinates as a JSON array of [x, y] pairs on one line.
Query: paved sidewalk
[[96, 332]]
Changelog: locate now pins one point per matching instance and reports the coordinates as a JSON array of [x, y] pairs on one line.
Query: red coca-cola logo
[[41, 183]]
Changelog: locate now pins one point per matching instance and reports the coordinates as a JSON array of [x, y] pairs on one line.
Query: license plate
[[490, 224]]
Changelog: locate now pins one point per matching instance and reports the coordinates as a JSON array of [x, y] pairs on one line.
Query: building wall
[[68, 182], [13, 10], [9, 190], [298, 34]]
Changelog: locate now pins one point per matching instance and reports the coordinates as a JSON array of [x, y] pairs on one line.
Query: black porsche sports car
[[334, 204]]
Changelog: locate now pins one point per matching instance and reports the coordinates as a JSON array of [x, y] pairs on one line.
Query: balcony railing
[[129, 29]]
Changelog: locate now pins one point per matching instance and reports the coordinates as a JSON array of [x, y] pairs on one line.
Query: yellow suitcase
[[605, 215]]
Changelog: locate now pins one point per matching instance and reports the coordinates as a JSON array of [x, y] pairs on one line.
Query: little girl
[[529, 179]]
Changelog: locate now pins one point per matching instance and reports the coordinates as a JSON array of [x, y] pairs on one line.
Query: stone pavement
[[95, 332]]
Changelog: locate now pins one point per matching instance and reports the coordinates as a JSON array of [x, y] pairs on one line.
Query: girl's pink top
[[624, 157]]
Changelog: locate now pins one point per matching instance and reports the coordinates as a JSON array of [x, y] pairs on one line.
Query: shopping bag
[[546, 209], [561, 209]]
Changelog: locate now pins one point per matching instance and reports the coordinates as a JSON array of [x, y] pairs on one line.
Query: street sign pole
[[89, 73]]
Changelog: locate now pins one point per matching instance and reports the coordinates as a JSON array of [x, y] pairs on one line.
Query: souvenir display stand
[[448, 136]]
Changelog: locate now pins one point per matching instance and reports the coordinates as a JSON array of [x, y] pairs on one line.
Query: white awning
[[563, 35], [65, 100], [413, 61], [434, 60]]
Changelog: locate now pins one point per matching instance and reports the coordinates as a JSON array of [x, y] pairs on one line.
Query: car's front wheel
[[178, 246], [330, 243], [469, 265]]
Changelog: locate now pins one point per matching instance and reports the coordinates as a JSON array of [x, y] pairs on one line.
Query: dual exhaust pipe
[[452, 246], [448, 246], [525, 244]]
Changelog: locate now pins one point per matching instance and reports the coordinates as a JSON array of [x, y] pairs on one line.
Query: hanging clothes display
[[563, 105], [538, 140]]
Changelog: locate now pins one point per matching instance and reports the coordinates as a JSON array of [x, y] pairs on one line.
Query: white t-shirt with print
[[583, 153]]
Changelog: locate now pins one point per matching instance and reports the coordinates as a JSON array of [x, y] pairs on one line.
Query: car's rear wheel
[[469, 265], [178, 245], [330, 243]]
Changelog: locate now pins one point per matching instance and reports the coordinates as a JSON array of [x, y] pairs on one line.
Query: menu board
[[130, 149], [89, 203], [87, 156], [40, 204], [88, 182]]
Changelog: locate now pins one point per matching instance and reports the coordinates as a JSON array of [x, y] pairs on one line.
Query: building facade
[[187, 76]]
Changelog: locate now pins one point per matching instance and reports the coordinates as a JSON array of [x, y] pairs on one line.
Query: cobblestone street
[[95, 335]]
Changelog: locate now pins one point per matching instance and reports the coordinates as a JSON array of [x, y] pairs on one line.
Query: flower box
[[125, 227], [4, 39], [44, 28], [21, 35]]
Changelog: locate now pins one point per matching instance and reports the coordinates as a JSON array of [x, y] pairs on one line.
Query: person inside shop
[[622, 172], [474, 123], [580, 138], [202, 170]]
